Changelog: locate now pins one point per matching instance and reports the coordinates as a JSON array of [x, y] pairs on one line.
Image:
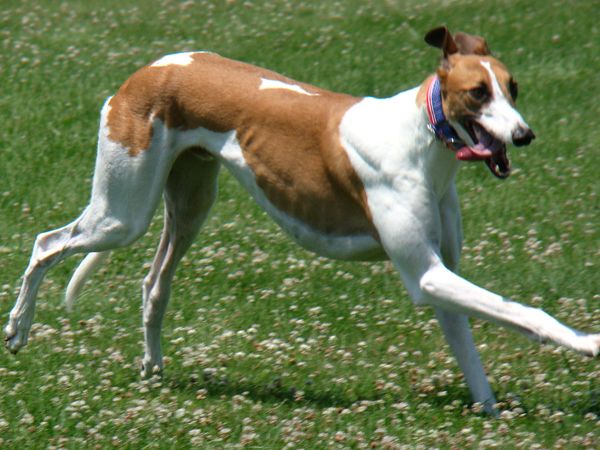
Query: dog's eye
[[513, 88], [480, 93]]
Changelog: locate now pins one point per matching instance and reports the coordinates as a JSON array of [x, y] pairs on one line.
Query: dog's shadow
[[276, 391]]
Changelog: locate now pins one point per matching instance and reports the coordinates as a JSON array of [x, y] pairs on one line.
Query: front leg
[[440, 287], [458, 336], [411, 233], [455, 326]]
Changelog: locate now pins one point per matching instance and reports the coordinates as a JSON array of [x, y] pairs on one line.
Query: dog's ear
[[440, 37], [469, 44]]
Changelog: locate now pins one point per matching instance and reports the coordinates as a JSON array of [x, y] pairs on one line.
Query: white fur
[[275, 84], [177, 59], [499, 117]]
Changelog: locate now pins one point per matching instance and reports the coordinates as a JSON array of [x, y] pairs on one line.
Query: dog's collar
[[438, 124]]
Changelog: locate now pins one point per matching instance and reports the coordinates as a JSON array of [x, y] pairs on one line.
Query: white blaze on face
[[499, 117], [275, 84]]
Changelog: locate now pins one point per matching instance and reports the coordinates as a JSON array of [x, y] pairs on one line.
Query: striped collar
[[438, 124]]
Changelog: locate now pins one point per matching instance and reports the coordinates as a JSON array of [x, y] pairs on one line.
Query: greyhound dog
[[348, 178]]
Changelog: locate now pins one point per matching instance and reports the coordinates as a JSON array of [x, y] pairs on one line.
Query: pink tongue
[[475, 153]]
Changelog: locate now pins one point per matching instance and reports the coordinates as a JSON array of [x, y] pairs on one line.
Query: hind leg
[[189, 193], [49, 248], [125, 193], [86, 234]]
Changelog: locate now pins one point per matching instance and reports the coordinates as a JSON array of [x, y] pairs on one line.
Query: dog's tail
[[85, 269]]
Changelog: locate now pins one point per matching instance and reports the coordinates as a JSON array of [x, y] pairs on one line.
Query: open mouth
[[485, 148]]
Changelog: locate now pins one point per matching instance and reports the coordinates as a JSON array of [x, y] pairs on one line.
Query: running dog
[[348, 178]]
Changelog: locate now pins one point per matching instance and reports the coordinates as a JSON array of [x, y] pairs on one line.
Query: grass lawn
[[269, 346]]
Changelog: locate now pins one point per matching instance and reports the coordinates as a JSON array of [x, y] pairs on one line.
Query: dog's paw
[[14, 339], [588, 344], [150, 369], [595, 338]]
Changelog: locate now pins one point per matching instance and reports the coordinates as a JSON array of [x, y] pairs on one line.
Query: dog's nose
[[522, 136]]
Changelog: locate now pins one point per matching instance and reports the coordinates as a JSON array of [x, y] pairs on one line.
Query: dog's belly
[[358, 245]]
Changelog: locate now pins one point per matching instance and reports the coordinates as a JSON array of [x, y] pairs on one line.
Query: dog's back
[[288, 131]]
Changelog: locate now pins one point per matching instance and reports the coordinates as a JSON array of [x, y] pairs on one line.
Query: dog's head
[[478, 99]]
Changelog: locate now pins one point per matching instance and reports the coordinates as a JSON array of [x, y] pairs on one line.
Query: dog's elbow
[[428, 285], [423, 289], [432, 285]]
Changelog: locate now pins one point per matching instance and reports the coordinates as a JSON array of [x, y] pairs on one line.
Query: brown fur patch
[[469, 44], [290, 140], [422, 93], [465, 72]]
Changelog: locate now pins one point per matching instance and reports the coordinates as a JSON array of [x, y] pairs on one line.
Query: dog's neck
[[390, 138]]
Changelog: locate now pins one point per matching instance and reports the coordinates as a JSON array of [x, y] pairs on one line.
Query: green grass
[[270, 347]]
